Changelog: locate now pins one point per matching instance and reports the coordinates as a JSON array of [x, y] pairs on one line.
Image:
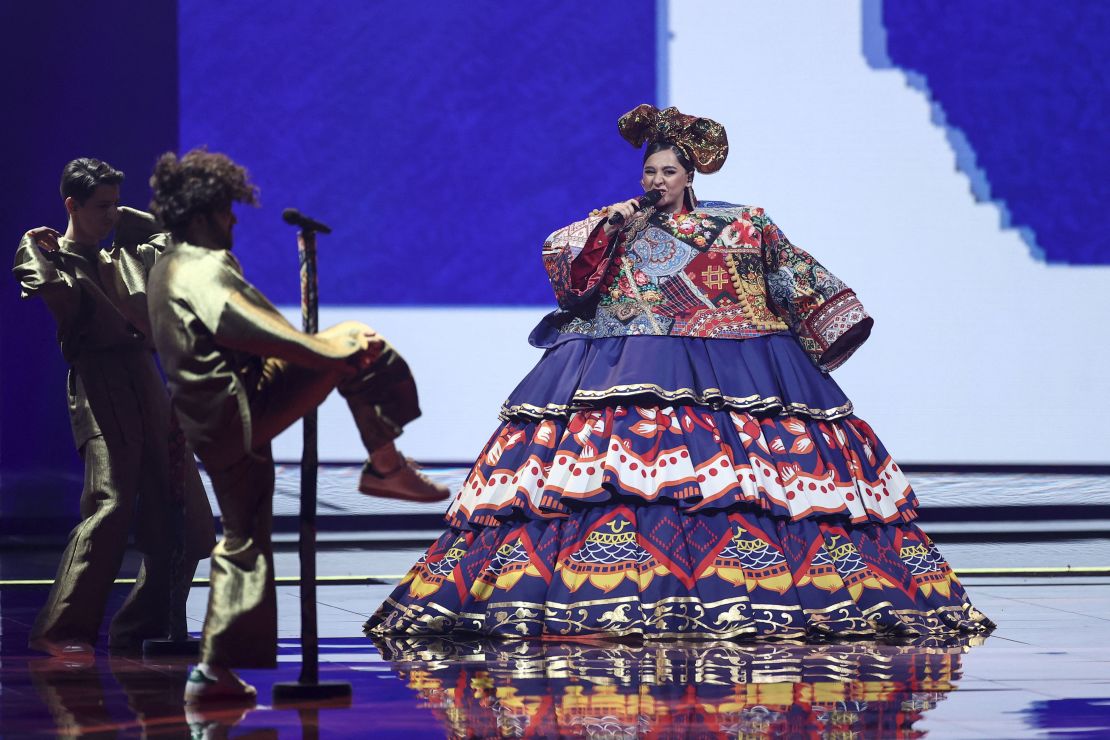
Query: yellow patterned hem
[[712, 397]]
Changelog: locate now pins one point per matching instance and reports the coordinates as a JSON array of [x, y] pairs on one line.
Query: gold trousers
[[126, 481], [240, 629]]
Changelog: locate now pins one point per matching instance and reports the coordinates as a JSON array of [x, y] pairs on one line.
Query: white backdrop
[[980, 354]]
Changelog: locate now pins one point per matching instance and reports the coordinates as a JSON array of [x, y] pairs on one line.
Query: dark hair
[[82, 176], [201, 182], [659, 146]]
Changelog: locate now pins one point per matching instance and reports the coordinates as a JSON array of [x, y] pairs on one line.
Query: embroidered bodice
[[721, 271]]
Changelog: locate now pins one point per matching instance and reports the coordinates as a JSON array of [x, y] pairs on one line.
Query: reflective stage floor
[[1045, 671]]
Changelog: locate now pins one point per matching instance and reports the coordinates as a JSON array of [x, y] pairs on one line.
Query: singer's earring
[[691, 199]]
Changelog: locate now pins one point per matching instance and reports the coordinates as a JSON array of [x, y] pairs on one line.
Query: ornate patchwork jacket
[[721, 271]]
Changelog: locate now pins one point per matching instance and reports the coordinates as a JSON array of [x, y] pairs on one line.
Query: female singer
[[680, 463]]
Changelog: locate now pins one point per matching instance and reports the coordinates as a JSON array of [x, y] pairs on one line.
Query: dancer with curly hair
[[240, 374]]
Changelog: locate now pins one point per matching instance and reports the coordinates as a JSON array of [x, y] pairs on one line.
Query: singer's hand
[[625, 208]]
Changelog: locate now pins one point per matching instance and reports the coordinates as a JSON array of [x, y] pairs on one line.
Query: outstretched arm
[[251, 325], [239, 317]]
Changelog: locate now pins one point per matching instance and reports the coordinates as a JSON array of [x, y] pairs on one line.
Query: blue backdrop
[[81, 79], [1022, 90], [441, 145]]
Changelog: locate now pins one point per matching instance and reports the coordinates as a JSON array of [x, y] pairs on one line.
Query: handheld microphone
[[294, 217], [649, 198]]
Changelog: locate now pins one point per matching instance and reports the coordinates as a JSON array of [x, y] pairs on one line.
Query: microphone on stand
[[294, 217], [649, 198]]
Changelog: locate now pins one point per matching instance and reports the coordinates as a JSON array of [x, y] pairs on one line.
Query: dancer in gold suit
[[120, 415], [240, 374]]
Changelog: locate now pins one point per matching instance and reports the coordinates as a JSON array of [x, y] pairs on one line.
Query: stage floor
[[1045, 672], [1033, 552]]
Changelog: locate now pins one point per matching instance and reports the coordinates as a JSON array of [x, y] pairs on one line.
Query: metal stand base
[[182, 648], [335, 693]]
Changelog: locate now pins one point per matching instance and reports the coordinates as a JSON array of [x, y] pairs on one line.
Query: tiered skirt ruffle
[[770, 374], [609, 503]]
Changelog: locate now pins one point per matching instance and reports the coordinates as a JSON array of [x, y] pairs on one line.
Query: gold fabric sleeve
[[38, 276], [249, 323], [125, 268]]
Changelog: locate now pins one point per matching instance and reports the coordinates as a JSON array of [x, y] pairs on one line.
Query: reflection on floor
[[1044, 672], [726, 689]]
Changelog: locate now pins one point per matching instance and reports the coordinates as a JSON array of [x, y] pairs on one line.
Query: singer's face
[[662, 172]]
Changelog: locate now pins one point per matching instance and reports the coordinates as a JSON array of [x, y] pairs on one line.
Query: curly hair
[[201, 182], [81, 177]]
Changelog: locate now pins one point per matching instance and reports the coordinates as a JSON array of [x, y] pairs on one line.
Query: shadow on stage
[[485, 688]]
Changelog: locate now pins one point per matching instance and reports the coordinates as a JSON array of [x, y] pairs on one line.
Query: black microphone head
[[291, 216], [648, 199]]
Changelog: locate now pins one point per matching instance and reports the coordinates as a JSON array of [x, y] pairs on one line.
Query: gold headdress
[[702, 140]]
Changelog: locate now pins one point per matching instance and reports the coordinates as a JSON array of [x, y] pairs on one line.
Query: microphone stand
[[309, 687]]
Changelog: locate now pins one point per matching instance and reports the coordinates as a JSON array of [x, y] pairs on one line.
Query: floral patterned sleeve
[[823, 312], [577, 258]]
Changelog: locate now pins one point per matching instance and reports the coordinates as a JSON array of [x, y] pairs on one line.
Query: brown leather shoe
[[406, 483]]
